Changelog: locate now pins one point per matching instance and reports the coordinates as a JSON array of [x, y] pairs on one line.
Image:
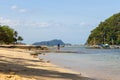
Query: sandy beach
[[20, 65]]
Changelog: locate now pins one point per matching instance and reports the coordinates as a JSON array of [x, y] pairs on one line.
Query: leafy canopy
[[8, 35], [107, 32]]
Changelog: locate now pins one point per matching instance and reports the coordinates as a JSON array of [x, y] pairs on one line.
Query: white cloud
[[38, 24], [18, 9], [22, 10], [34, 24], [5, 21], [29, 24], [42, 24], [83, 23], [14, 7]]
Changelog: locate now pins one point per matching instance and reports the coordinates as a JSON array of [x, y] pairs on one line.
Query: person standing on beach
[[58, 46]]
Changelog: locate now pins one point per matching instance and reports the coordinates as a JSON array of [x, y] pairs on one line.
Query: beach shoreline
[[18, 64]]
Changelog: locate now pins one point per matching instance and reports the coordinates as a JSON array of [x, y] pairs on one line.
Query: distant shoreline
[[103, 46]]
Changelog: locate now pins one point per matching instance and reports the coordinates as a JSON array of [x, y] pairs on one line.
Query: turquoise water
[[102, 64]]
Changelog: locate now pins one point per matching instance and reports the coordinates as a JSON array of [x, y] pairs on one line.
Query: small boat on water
[[104, 46]]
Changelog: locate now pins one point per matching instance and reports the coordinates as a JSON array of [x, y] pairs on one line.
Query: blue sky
[[68, 20]]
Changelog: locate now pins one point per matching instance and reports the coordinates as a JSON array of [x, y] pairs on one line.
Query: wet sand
[[18, 64]]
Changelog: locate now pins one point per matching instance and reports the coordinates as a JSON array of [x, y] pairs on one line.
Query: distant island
[[107, 32], [50, 43]]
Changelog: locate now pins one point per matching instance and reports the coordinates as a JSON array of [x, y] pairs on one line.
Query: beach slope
[[20, 65]]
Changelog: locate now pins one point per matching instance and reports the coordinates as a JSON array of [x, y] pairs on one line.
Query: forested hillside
[[107, 32]]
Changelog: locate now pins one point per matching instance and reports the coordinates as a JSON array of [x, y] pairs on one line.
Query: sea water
[[101, 64]]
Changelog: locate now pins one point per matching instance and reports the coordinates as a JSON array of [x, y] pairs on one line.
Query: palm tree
[[20, 38]]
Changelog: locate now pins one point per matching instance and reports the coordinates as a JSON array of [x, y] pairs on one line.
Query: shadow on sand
[[6, 67]]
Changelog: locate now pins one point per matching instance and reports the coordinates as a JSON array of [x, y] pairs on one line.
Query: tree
[[7, 35], [20, 38]]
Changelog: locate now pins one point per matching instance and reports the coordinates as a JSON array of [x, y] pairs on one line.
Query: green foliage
[[8, 35], [20, 38], [107, 32]]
